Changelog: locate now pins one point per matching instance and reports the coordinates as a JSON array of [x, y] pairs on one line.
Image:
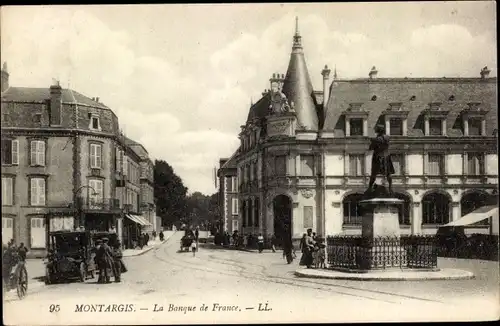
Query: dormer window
[[396, 120], [94, 122], [356, 126], [356, 120], [435, 127], [435, 120], [474, 120]]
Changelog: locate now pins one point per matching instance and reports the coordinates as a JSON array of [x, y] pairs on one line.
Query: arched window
[[472, 201], [404, 209], [435, 208], [352, 209]]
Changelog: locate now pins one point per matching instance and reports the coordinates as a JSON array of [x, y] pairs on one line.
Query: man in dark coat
[[117, 261], [381, 159], [104, 258]]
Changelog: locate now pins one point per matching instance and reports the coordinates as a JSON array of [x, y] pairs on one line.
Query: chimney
[[97, 99], [485, 72], [5, 77], [326, 80], [373, 73], [264, 93], [55, 104]]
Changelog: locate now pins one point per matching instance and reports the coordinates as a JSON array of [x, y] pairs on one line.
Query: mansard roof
[[35, 94], [415, 95]]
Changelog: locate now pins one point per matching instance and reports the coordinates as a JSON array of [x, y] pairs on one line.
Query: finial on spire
[[251, 101], [297, 44], [335, 72]]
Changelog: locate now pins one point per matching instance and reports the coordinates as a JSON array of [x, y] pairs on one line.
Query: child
[[193, 247], [321, 255], [315, 255]]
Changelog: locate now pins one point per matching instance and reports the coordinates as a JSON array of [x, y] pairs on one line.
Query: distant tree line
[[176, 207]]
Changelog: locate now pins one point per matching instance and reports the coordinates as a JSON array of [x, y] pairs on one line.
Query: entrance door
[[7, 229], [37, 232], [282, 208]]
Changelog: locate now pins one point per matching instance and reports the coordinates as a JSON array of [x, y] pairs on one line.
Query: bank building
[[303, 161]]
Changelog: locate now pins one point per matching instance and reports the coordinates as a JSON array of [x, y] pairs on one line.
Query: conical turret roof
[[298, 88]]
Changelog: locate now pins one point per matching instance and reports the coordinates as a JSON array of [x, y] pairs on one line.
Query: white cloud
[[192, 120]]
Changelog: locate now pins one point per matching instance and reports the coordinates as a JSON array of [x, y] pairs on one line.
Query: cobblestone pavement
[[166, 277]]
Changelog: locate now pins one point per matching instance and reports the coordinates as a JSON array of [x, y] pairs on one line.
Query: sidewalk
[[151, 245]]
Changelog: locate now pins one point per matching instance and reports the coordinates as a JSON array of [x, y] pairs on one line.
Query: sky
[[181, 78]]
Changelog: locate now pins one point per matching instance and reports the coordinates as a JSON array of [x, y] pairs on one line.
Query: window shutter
[[41, 191], [99, 190], [34, 195], [41, 153], [98, 153], [33, 153], [9, 191], [15, 152]]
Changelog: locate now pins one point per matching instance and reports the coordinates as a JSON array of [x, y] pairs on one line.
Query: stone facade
[[228, 195], [60, 165], [294, 174]]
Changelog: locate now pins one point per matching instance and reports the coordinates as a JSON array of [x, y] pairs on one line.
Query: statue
[[279, 102], [381, 163]]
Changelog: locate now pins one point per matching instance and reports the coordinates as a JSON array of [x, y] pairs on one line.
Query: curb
[[149, 249], [429, 276]]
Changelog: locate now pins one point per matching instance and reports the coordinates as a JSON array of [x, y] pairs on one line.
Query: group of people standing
[[313, 250], [11, 256], [109, 261]]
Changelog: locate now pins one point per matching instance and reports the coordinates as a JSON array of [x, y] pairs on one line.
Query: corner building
[[61, 165], [303, 161]]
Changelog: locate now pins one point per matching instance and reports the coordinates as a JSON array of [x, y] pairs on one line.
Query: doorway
[[282, 209]]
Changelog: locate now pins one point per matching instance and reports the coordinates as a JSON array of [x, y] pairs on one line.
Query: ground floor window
[[7, 229], [37, 232], [352, 210], [435, 209]]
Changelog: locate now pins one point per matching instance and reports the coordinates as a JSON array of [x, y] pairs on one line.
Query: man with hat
[[104, 258], [381, 159]]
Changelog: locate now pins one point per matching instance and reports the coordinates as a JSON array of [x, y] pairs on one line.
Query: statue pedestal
[[381, 247]]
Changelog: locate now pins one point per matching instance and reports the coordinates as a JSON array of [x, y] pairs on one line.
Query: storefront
[[133, 226]]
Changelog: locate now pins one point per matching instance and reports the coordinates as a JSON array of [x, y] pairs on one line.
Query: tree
[[202, 210], [170, 194]]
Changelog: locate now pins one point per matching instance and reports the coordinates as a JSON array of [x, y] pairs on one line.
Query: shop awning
[[479, 214], [138, 219]]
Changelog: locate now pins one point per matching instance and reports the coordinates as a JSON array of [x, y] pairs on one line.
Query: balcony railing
[[98, 204]]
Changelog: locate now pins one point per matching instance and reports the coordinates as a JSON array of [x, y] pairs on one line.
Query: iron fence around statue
[[359, 253]]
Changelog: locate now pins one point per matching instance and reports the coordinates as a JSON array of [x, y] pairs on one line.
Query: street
[[238, 286]]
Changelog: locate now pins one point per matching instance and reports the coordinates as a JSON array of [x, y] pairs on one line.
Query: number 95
[[54, 308]]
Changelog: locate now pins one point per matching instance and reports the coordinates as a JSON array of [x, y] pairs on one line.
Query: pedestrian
[[154, 235], [260, 242], [104, 259], [314, 236], [302, 242], [141, 240], [307, 250], [161, 236], [117, 261], [197, 234], [146, 239], [273, 243], [288, 249], [22, 251], [193, 247]]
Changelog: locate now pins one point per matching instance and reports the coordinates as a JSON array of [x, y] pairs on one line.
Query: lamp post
[[80, 218]]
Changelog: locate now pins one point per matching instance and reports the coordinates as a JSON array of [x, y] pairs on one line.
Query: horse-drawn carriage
[[70, 256], [187, 240], [15, 275]]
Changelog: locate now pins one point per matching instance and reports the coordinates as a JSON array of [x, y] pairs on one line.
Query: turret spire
[[297, 39], [297, 86]]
